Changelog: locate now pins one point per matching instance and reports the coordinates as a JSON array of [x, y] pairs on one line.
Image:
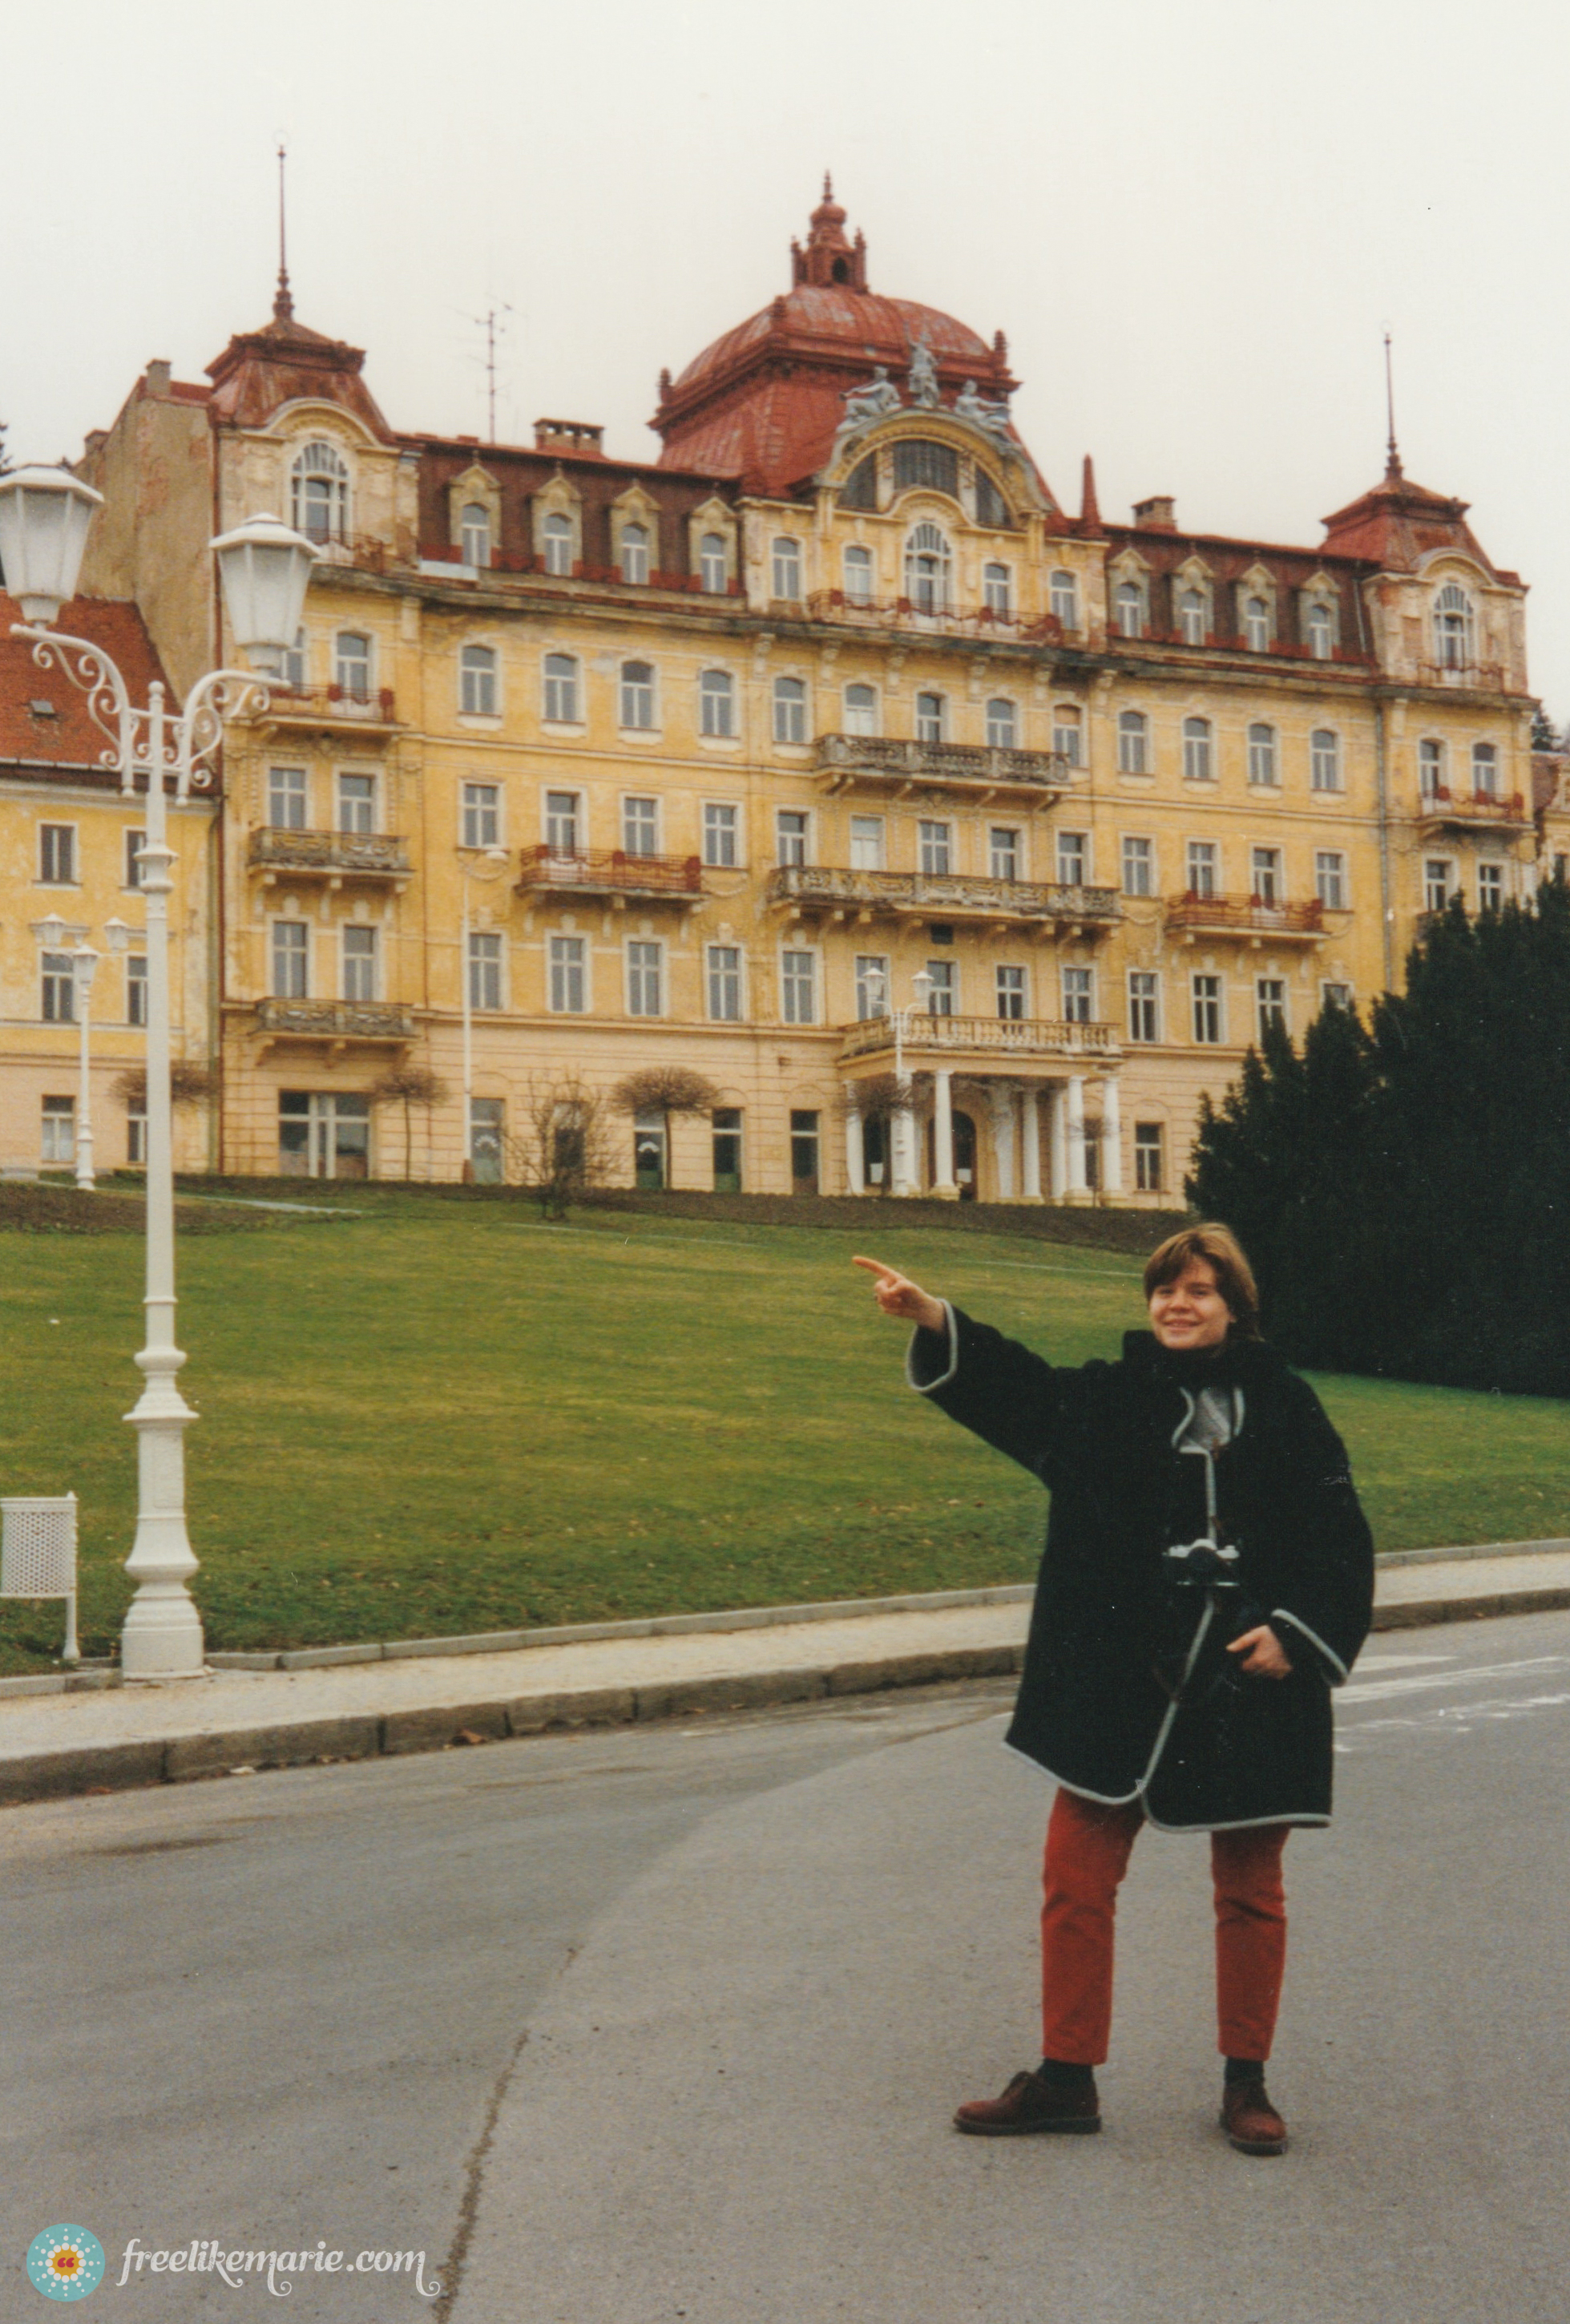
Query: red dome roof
[[764, 401]]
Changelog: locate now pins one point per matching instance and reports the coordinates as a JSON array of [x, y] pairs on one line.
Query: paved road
[[755, 1964]]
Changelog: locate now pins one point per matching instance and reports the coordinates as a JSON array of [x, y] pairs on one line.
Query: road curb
[[29, 1776]]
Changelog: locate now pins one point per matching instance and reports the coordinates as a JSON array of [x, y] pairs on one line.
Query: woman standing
[[1208, 1577]]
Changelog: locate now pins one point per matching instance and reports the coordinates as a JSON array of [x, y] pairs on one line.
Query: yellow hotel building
[[830, 754]]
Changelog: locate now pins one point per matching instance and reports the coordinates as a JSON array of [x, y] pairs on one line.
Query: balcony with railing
[[911, 613], [876, 761], [613, 874], [331, 705], [341, 1021], [980, 1038], [1252, 918], [1503, 814], [336, 857], [1471, 676], [807, 888]]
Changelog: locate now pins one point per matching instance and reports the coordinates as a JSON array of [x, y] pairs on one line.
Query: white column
[[1059, 1142], [901, 1151], [1000, 1098], [1111, 1138], [1031, 1143], [855, 1153], [1074, 1133], [944, 1182]]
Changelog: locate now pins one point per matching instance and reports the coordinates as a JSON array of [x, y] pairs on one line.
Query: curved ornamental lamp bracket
[[89, 668], [222, 694]]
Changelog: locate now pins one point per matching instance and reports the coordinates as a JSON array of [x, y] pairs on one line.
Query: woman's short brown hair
[[1220, 1249]]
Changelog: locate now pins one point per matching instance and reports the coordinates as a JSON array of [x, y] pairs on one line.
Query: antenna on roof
[[491, 322], [282, 304], [1393, 469]]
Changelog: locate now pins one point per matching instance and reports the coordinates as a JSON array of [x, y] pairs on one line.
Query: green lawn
[[442, 1415]]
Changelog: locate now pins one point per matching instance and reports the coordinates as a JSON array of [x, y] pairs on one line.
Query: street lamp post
[[265, 567], [84, 962], [496, 859]]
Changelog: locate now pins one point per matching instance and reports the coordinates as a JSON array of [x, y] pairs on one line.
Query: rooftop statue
[[923, 376], [992, 419]]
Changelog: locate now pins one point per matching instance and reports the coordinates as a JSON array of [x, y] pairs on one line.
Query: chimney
[[575, 436], [156, 380], [1157, 514]]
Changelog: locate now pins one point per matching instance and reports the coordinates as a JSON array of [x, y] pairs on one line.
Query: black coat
[[1128, 1692]]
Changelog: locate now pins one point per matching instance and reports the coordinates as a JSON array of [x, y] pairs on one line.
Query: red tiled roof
[[259, 372], [65, 735], [1399, 523]]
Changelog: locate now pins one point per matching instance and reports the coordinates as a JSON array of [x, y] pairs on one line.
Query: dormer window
[[1192, 616], [928, 564], [1129, 606], [1453, 628], [635, 553], [996, 591], [476, 532], [1256, 625], [319, 493], [1319, 629], [786, 562], [556, 534], [712, 564]]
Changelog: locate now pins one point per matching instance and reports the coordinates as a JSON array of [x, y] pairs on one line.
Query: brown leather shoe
[[1029, 2104], [1250, 2121]]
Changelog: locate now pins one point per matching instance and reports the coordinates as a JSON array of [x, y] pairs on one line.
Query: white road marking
[[1463, 1675]]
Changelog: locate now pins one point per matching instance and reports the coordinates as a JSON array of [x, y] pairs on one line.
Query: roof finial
[[828, 187], [282, 304], [1393, 469]]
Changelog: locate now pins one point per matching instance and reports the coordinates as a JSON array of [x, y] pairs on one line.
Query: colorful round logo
[[65, 2263]]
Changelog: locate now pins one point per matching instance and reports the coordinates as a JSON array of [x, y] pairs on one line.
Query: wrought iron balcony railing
[[336, 1021], [333, 855], [612, 872], [980, 1037], [878, 757], [1249, 916], [947, 895]]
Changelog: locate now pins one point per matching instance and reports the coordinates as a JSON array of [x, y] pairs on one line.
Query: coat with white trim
[[1104, 1704]]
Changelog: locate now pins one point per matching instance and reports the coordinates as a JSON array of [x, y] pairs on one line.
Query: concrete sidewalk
[[111, 1737]]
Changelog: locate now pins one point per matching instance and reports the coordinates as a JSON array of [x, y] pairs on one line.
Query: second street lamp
[[84, 962], [264, 569]]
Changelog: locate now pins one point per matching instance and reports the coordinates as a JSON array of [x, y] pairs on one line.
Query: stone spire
[[282, 302], [1090, 508]]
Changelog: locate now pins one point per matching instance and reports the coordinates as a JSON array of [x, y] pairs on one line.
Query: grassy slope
[[443, 1418]]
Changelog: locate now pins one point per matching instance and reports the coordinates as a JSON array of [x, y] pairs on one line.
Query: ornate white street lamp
[[44, 516], [84, 962]]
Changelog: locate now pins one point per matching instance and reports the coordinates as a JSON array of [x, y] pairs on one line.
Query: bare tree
[[566, 1146], [877, 1099], [188, 1086], [409, 1086], [668, 1091]]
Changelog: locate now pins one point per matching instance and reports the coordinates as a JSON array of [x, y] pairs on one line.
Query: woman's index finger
[[877, 1267]]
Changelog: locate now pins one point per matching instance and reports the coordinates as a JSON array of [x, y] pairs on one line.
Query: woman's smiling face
[[1190, 1312]]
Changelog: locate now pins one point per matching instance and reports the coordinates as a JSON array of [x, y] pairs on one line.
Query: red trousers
[[1088, 1851]]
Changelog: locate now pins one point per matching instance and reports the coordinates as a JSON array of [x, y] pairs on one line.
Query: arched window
[[991, 508], [561, 690], [1256, 624], [557, 534], [790, 710], [1191, 617], [1484, 770], [932, 718], [713, 565], [636, 706], [1002, 724], [787, 563], [928, 564], [1196, 761], [1431, 769], [1065, 600], [1133, 742], [1261, 754], [996, 593], [1325, 760], [1320, 624], [477, 682], [859, 489], [1129, 606], [1453, 627], [319, 492], [351, 665], [857, 575], [716, 703], [635, 552], [861, 710], [475, 530]]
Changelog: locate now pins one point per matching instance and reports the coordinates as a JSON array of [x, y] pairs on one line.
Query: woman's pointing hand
[[898, 1296]]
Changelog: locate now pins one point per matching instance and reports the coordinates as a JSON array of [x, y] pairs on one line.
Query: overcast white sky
[[1193, 221]]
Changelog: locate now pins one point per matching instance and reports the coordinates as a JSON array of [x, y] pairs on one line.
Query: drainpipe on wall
[[1381, 788]]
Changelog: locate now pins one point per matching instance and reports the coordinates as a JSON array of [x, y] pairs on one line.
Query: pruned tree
[[566, 1146], [409, 1086], [188, 1084], [880, 1096], [667, 1091]]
